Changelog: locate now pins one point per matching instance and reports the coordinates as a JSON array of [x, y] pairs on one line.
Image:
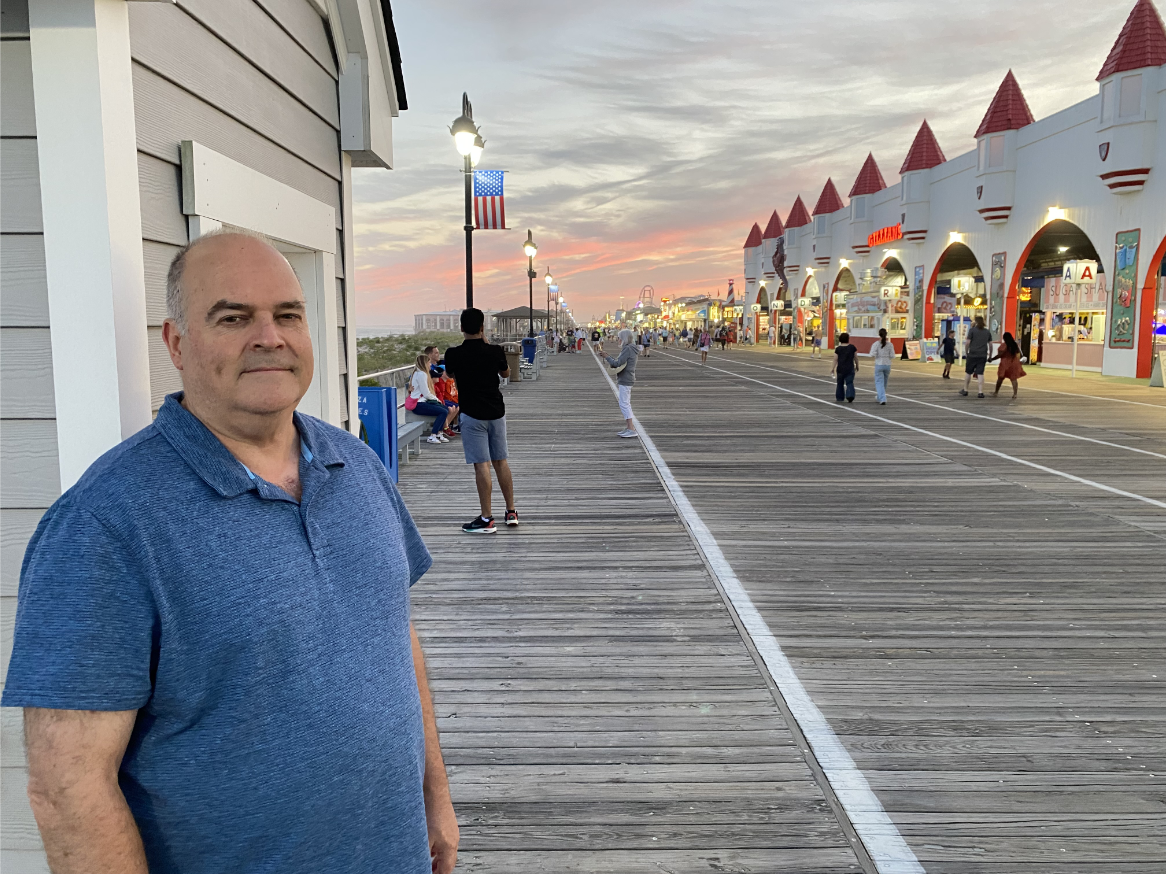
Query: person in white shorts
[[625, 366]]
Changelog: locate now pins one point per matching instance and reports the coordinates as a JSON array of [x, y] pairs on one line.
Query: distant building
[[446, 320]]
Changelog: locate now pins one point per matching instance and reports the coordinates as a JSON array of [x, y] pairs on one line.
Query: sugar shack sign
[[885, 235]]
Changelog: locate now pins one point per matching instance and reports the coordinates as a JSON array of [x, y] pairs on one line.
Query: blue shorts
[[484, 440]]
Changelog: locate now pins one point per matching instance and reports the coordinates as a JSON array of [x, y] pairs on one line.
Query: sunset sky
[[643, 139]]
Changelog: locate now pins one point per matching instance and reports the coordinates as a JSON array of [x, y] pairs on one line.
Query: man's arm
[[73, 761], [439, 815], [504, 371]]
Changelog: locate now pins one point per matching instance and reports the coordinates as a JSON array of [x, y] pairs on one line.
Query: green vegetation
[[397, 350]]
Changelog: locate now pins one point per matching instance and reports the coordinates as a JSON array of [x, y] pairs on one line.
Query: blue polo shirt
[[264, 643]]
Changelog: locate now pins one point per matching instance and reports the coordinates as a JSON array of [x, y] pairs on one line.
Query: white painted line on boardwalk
[[1051, 391], [879, 835], [1069, 476], [960, 412]]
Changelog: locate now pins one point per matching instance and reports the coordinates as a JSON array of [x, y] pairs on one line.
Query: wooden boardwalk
[[599, 710], [987, 639]]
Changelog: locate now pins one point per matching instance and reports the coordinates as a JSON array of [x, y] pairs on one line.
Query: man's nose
[[266, 333]]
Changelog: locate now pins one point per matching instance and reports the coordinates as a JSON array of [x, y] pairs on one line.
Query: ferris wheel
[[647, 295]]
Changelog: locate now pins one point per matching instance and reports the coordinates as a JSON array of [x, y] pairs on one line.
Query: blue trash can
[[529, 348]]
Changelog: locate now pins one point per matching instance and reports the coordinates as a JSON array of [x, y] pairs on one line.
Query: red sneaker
[[512, 518]]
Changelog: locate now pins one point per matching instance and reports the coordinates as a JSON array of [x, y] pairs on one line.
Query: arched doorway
[[1152, 315], [835, 308], [809, 311], [1043, 313], [955, 294]]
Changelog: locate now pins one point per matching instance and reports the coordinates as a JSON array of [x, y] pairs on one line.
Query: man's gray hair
[[175, 302]]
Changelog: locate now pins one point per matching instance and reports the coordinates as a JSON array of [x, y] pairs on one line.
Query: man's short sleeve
[[86, 624], [415, 549], [500, 355]]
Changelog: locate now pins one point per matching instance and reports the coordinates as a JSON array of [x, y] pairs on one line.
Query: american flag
[[489, 205]]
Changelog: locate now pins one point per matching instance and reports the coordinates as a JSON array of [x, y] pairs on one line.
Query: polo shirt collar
[[212, 461]]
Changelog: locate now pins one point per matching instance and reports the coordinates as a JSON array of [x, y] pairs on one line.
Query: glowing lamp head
[[476, 150], [529, 246], [550, 279]]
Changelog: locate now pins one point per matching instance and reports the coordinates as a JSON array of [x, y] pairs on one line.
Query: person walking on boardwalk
[[948, 353], [883, 353], [212, 646], [976, 356], [646, 339], [1010, 367], [625, 366], [704, 343], [476, 366], [845, 367]]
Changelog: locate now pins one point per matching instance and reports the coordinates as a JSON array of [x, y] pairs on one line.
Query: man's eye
[[230, 320], [293, 317]]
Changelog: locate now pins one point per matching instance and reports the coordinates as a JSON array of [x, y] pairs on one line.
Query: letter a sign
[[1079, 272]]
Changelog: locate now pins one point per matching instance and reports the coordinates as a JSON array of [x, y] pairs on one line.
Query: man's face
[[246, 348], [434, 356]]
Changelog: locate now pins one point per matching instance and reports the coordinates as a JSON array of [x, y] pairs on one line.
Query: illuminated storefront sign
[[885, 235]]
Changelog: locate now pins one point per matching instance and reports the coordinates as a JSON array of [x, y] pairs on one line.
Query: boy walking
[[475, 366], [845, 367], [948, 353], [979, 342]]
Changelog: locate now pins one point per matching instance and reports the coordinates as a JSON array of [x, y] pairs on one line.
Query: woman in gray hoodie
[[625, 366]]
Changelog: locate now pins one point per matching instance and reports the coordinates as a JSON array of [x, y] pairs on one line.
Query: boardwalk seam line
[[960, 412], [1069, 476], [887, 849]]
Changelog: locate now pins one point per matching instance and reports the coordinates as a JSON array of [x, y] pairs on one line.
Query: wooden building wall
[[28, 428], [254, 80]]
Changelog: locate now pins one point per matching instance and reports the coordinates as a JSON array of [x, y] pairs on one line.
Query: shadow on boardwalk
[[599, 710]]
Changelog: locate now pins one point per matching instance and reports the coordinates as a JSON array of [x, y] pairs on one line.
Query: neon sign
[[885, 235]]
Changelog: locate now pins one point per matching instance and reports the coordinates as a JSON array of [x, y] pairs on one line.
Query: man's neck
[[481, 335], [268, 445]]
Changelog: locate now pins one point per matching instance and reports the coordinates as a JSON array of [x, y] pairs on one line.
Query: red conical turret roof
[[774, 228], [1008, 110], [754, 237], [925, 152], [1141, 43], [828, 201], [798, 217], [870, 180]]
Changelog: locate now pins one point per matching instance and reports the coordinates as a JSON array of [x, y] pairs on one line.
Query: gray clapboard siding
[[26, 374], [164, 377], [166, 114], [23, 862], [28, 457], [160, 187], [339, 260], [11, 738], [306, 27], [249, 30], [344, 402], [14, 19], [17, 118], [157, 258], [343, 354], [7, 626], [174, 45], [24, 290], [16, 529], [19, 187], [19, 826], [340, 317]]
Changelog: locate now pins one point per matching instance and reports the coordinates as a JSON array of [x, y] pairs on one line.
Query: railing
[[397, 377]]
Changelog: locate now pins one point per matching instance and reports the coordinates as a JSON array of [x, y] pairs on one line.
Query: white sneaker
[[628, 433], [432, 438], [441, 438]]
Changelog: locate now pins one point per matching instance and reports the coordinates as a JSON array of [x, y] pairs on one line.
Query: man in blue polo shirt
[[213, 645]]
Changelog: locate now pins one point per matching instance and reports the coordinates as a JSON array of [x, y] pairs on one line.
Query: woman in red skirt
[[1010, 368]]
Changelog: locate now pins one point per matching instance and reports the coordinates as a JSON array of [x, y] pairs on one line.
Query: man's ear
[[173, 341]]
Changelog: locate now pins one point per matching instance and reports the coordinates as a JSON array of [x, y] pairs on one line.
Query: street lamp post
[[531, 250], [550, 281], [469, 144]]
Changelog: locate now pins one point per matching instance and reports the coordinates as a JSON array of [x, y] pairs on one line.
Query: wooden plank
[[306, 27], [160, 186], [17, 114], [16, 529], [28, 456], [26, 374], [165, 378], [168, 41], [157, 258], [247, 28], [20, 210], [167, 114], [24, 290]]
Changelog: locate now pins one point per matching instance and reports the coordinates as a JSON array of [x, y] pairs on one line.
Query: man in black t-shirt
[[845, 366], [475, 366]]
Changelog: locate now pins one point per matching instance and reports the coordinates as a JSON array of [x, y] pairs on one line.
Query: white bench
[[408, 434]]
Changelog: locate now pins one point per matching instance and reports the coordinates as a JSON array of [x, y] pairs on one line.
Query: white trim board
[[887, 848], [217, 192]]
